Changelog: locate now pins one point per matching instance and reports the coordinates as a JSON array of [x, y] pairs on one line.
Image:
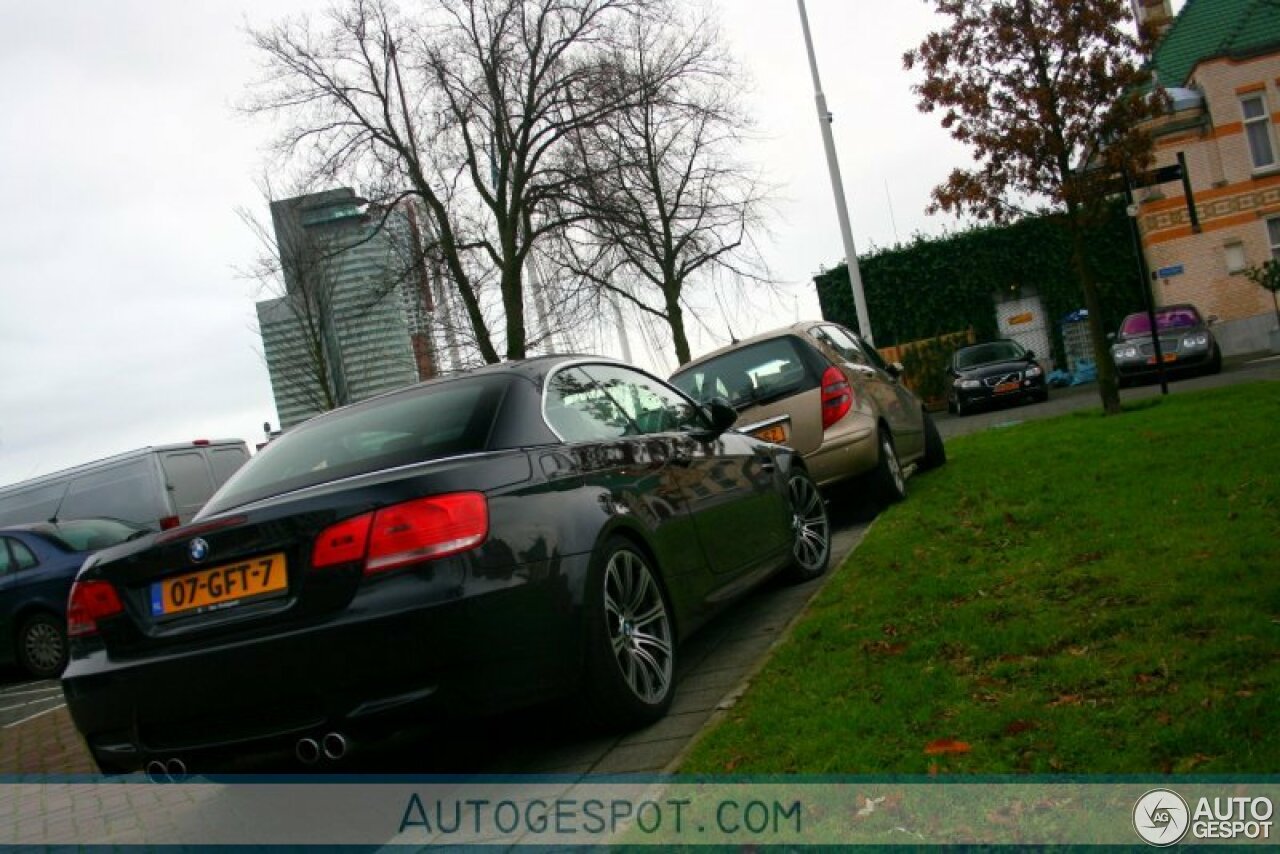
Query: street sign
[[1169, 272]]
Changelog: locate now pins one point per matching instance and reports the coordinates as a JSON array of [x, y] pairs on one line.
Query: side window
[[580, 412], [842, 342], [22, 556], [6, 562], [650, 405], [121, 492]]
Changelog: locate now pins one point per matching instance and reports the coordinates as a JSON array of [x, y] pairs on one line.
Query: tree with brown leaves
[[1050, 96]]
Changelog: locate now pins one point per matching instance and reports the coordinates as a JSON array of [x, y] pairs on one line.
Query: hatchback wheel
[[935, 452], [631, 655], [811, 546], [42, 646], [889, 483]]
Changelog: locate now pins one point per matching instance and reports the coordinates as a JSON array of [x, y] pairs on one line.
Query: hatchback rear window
[[441, 420], [755, 374]]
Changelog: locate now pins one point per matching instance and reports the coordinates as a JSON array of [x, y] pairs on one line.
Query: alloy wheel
[[43, 646], [638, 625], [809, 522], [894, 467]]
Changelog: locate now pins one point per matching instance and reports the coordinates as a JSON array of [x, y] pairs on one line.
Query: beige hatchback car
[[818, 388]]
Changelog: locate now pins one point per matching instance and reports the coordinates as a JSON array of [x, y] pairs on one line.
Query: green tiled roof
[[1206, 29]]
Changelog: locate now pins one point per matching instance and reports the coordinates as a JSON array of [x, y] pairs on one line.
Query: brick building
[[1220, 63]]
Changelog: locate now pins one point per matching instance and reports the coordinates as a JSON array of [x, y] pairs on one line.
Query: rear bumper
[[853, 452], [373, 668]]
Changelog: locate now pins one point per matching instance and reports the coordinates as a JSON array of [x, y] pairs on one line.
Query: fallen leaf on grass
[[1016, 727], [1067, 700], [946, 747], [1164, 718], [1244, 693], [884, 648]]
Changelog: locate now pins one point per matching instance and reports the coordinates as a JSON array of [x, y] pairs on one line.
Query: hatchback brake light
[[89, 602], [423, 529], [837, 396]]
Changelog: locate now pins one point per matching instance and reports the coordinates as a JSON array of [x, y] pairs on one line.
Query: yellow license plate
[[1168, 357], [219, 587], [1005, 388], [776, 433]]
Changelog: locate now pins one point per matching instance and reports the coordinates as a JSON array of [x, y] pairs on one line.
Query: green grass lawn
[[1080, 595]]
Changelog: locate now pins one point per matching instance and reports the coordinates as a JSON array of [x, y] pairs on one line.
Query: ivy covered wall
[[933, 286]]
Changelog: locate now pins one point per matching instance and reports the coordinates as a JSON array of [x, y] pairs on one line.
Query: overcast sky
[[123, 319]]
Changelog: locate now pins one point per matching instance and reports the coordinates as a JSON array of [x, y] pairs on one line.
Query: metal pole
[[837, 186], [1144, 273]]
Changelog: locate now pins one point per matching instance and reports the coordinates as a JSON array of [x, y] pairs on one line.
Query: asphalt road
[[24, 701]]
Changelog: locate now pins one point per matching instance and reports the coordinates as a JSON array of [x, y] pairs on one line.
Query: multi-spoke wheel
[[888, 481], [811, 546], [631, 659], [935, 452], [42, 646]]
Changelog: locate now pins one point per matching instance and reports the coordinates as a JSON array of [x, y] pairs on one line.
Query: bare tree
[[467, 105], [665, 202]]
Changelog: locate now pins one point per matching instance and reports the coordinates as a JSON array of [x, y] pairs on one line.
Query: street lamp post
[[837, 186]]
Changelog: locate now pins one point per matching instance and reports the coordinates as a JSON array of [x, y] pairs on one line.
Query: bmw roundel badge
[[199, 550]]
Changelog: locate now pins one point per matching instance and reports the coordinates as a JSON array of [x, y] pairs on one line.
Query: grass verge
[[1081, 595]]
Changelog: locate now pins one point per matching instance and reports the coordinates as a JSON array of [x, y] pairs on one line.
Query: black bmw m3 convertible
[[526, 531]]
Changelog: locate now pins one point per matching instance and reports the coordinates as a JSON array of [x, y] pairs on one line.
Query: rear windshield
[[87, 535], [1183, 317], [441, 420], [984, 354], [754, 374]]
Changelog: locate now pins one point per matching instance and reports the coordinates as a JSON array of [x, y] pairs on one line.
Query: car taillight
[[837, 396], [89, 602], [402, 534], [169, 522], [427, 528], [342, 543]]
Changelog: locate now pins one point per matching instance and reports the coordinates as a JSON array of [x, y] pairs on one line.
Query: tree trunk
[[513, 306], [675, 318], [1107, 389]]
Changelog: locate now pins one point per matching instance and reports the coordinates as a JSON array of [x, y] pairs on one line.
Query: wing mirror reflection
[[720, 415]]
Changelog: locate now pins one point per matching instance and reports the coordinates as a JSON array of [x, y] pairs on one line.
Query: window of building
[[1273, 235], [1234, 253], [1257, 129]]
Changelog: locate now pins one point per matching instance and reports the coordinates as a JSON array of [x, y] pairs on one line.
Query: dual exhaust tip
[[333, 746], [169, 771]]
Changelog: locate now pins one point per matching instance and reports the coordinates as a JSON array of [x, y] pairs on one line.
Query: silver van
[[158, 487]]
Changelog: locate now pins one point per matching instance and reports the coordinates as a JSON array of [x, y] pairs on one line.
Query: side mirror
[[1213, 318], [1111, 336], [721, 415], [1031, 356], [897, 369]]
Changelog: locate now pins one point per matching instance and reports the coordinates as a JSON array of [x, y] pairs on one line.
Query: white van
[[159, 487]]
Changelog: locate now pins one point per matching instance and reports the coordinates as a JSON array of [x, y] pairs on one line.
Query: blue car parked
[[38, 562]]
